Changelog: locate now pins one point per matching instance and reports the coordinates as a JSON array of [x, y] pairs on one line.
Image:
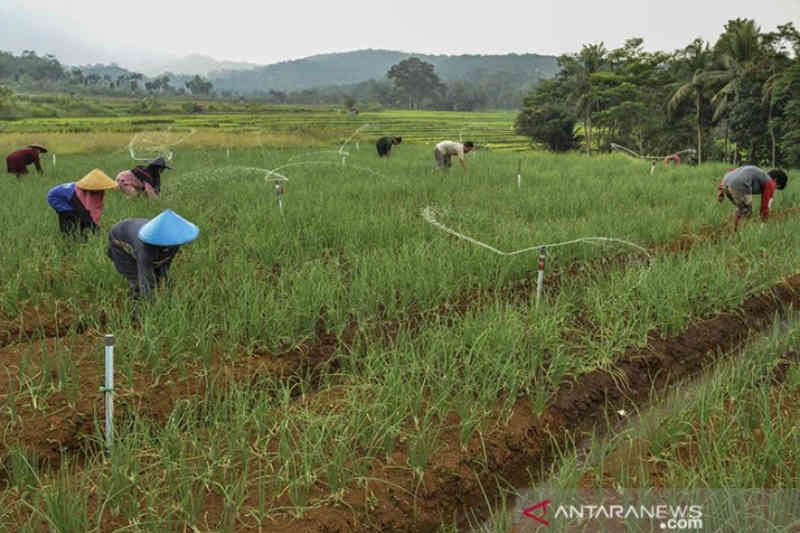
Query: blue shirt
[[60, 197]]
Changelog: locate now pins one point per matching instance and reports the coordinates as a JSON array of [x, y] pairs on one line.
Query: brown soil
[[455, 479], [450, 484], [637, 453], [35, 322]]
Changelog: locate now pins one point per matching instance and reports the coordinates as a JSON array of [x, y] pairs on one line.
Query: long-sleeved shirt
[[151, 262], [63, 199], [149, 176], [451, 148], [17, 162], [750, 180]]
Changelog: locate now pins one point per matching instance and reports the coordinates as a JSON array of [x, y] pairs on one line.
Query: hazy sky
[[269, 31]]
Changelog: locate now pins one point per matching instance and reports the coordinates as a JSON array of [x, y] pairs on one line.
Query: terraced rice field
[[345, 365], [278, 127]]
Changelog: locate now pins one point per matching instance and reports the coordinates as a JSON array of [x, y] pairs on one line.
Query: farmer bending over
[[80, 204], [142, 250], [141, 179], [445, 150], [739, 186], [384, 145], [17, 162]]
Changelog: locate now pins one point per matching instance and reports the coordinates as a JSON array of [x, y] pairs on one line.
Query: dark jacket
[[144, 265], [150, 175]]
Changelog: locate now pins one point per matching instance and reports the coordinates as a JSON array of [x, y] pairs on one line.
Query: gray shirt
[[747, 180], [151, 262]]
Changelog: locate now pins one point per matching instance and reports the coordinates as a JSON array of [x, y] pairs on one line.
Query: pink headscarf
[[92, 201]]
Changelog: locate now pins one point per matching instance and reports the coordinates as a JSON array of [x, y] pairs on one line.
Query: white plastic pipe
[[108, 391], [540, 278], [279, 195]]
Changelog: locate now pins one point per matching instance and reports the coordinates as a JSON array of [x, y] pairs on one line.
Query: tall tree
[[415, 79], [580, 69], [199, 86], [697, 58]]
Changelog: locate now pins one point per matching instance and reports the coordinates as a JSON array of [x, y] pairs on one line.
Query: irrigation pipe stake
[[540, 278], [279, 195], [54, 160], [108, 392], [519, 173]]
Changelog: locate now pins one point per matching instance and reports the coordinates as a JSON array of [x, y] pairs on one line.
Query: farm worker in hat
[[80, 204], [142, 250], [445, 150], [740, 184], [384, 145], [143, 179], [17, 162]]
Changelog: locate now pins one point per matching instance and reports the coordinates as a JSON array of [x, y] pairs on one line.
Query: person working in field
[[445, 150], [384, 145], [673, 158], [143, 179], [142, 250], [17, 162], [739, 186], [80, 204]]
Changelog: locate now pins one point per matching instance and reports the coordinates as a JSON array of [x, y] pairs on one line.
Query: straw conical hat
[[96, 180], [168, 229], [39, 146]]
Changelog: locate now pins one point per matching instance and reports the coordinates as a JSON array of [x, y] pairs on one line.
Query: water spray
[[430, 216], [146, 146], [632, 153]]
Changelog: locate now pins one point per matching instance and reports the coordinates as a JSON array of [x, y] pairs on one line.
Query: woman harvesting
[[80, 204]]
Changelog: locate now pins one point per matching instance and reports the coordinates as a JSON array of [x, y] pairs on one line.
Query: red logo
[[529, 512]]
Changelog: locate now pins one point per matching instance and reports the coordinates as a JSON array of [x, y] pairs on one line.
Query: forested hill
[[352, 67]]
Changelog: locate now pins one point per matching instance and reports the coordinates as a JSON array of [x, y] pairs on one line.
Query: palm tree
[[697, 57], [580, 68], [737, 50]]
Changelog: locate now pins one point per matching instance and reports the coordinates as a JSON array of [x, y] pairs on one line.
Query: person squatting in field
[[445, 150], [384, 145], [142, 250], [141, 179], [79, 205], [740, 184], [17, 162]]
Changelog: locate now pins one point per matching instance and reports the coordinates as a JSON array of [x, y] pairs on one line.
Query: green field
[[343, 364], [275, 127]]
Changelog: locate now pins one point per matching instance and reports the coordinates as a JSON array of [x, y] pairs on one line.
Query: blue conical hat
[[168, 229]]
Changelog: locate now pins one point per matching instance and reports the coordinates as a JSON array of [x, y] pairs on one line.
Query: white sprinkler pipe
[[519, 174], [279, 194], [54, 160], [108, 391], [540, 278]]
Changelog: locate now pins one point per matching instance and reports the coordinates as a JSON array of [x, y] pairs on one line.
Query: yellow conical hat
[[96, 180]]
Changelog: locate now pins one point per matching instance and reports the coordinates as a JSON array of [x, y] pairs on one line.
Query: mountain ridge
[[345, 68]]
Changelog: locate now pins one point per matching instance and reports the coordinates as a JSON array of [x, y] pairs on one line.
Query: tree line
[[29, 71], [737, 99]]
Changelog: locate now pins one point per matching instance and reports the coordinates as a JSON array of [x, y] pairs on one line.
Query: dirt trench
[[456, 479]]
